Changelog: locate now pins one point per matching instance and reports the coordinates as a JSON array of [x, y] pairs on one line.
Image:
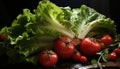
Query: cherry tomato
[[83, 59], [64, 47], [2, 36], [117, 51], [112, 56], [76, 56], [48, 58], [89, 47], [107, 40]]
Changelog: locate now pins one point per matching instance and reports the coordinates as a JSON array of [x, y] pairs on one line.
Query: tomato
[[89, 47], [117, 51], [48, 58], [2, 36], [83, 59], [76, 56], [107, 40], [113, 56], [64, 47]]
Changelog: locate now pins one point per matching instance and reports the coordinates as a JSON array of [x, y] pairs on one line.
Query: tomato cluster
[[113, 55], [77, 49], [107, 40]]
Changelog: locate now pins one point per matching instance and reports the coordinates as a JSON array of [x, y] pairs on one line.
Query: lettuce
[[86, 20], [34, 31]]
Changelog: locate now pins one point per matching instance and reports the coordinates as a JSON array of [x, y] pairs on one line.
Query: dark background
[[9, 9]]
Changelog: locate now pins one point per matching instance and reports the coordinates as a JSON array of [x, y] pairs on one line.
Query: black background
[[9, 9]]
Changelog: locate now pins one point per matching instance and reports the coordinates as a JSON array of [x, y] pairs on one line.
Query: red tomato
[[83, 59], [112, 56], [76, 56], [88, 47], [64, 47], [48, 58], [107, 40], [2, 36], [117, 51]]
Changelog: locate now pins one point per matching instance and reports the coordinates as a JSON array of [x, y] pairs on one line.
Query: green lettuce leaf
[[86, 20]]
